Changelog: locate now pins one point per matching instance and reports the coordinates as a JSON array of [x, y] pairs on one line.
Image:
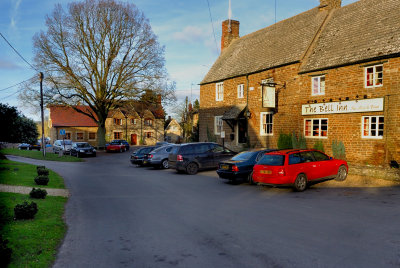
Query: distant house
[[173, 132], [330, 74], [135, 122]]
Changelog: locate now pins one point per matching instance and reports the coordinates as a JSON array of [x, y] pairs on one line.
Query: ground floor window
[[149, 134], [372, 127], [67, 135], [266, 123], [92, 136], [79, 136], [117, 135], [218, 125], [317, 127]]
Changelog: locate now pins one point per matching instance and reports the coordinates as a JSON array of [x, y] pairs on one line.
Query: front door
[[133, 139], [242, 129]]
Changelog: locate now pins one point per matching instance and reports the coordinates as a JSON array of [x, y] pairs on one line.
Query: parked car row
[[294, 168]]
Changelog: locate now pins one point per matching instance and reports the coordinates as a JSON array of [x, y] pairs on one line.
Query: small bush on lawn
[[5, 252], [42, 180], [38, 193], [43, 171], [40, 167], [25, 211]]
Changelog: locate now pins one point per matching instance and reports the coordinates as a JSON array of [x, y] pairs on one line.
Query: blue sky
[[182, 26]]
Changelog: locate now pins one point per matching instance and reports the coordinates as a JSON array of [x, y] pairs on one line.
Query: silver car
[[63, 146], [159, 156]]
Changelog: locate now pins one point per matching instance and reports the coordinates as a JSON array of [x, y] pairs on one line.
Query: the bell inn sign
[[355, 106]]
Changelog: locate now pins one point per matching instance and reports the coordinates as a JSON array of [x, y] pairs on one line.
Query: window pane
[[322, 85]]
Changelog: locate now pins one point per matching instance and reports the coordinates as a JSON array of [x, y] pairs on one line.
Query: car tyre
[[300, 184], [192, 168], [250, 178], [342, 173], [120, 150], [164, 164]]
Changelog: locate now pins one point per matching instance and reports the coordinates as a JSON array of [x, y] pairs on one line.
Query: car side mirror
[[330, 158]]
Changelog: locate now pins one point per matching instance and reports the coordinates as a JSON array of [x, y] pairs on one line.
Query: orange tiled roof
[[62, 116]]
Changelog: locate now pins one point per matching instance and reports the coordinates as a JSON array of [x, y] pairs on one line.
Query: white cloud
[[190, 34], [14, 13]]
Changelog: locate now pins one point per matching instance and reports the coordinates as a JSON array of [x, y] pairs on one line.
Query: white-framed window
[[133, 121], [318, 85], [79, 136], [266, 123], [240, 91], [219, 91], [316, 128], [374, 76], [372, 127], [218, 125], [148, 122]]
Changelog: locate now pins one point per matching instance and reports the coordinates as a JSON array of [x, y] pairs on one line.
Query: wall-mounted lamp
[[248, 114]]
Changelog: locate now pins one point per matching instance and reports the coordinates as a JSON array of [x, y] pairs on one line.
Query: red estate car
[[116, 146], [297, 168]]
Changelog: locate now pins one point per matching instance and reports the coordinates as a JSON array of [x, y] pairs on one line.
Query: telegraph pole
[[42, 113]]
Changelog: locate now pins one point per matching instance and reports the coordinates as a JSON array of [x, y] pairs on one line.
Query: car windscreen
[[146, 150], [82, 145], [115, 143], [66, 142], [272, 160], [243, 156]]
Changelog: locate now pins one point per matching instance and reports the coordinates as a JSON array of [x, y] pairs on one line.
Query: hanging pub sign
[[339, 107], [268, 97]]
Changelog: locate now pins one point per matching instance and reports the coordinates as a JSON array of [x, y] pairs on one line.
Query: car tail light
[[235, 168], [179, 158], [281, 172], [151, 156]]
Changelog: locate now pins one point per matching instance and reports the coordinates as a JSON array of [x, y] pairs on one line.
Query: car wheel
[[94, 154], [120, 150], [342, 173], [192, 168], [300, 183], [250, 178], [164, 164]]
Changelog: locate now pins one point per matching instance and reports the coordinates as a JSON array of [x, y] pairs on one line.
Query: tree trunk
[[101, 135]]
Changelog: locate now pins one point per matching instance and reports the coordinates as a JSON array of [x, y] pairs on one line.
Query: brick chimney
[[230, 32], [329, 4]]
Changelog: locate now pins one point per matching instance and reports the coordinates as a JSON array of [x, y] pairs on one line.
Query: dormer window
[[374, 76], [318, 85], [133, 121], [148, 122], [219, 91], [117, 121]]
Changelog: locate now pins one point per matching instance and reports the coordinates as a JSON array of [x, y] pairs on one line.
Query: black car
[[191, 157], [80, 149], [239, 167], [140, 156], [27, 146]]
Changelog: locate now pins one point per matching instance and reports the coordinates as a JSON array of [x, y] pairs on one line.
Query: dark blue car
[[239, 167]]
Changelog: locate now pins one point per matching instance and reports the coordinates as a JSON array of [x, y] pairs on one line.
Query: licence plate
[[224, 166], [265, 171]]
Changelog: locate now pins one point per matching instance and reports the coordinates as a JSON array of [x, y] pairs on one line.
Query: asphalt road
[[120, 215]]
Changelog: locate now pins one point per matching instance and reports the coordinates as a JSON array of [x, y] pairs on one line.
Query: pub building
[[330, 74]]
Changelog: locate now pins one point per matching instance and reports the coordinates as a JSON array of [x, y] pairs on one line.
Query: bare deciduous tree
[[99, 53]]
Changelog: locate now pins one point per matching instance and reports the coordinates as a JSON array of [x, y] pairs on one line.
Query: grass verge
[[21, 174], [34, 242], [39, 155]]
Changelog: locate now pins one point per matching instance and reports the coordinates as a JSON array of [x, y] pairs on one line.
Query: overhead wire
[[27, 80], [212, 25], [18, 53]]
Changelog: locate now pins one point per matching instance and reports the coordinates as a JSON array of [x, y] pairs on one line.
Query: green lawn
[[39, 155], [16, 173], [34, 242]]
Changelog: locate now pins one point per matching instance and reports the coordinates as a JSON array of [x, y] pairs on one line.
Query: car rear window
[[243, 156], [175, 150], [272, 160]]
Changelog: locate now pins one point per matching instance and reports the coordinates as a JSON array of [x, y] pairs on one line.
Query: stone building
[[134, 122], [331, 74], [173, 132]]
